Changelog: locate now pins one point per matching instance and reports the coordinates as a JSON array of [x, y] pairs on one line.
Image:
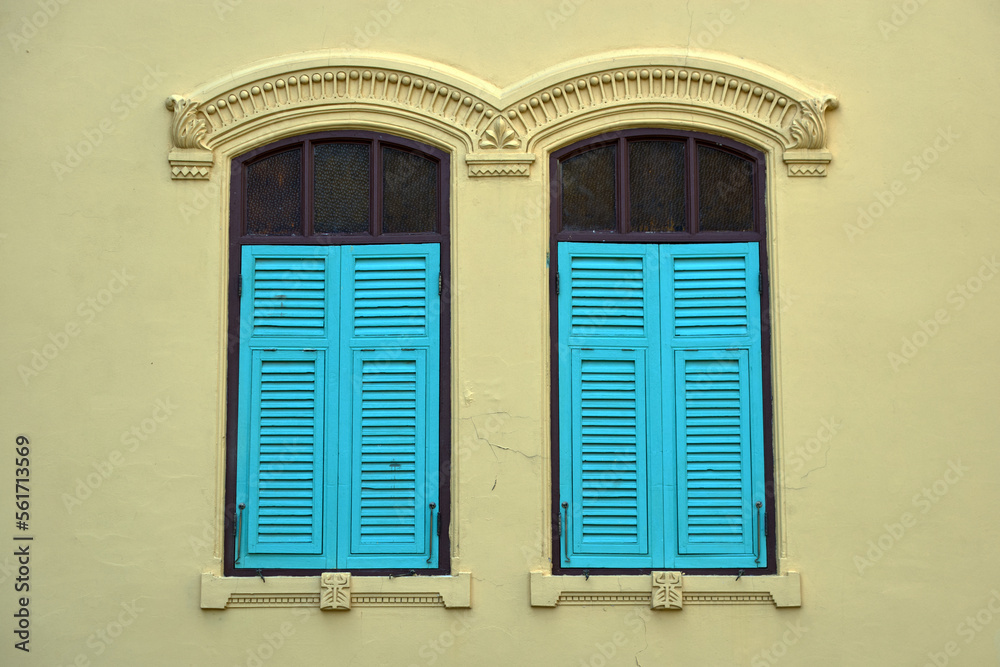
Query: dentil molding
[[503, 131]]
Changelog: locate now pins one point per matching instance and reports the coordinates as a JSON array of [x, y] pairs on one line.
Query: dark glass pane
[[725, 191], [274, 194], [341, 188], [588, 191], [656, 186], [409, 192]]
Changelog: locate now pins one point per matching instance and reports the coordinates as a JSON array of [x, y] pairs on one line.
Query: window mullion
[[376, 188], [691, 184], [308, 224], [623, 194]]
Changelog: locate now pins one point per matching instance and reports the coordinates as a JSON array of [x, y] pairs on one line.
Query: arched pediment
[[501, 130]]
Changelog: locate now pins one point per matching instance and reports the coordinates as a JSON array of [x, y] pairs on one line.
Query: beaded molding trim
[[501, 128]]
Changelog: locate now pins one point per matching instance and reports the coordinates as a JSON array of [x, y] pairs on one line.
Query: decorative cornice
[[665, 590], [490, 122], [335, 591]]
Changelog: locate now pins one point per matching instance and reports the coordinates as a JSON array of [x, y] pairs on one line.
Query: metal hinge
[[239, 289], [557, 282], [440, 284], [439, 524], [559, 524], [760, 282]]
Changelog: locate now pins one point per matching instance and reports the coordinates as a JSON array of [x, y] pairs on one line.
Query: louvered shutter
[[712, 374], [283, 436], [389, 404], [609, 389]]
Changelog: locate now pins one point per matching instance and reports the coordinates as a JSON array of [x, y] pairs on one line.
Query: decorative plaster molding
[[500, 164], [668, 590], [190, 164], [745, 97], [336, 591], [490, 122], [499, 135], [187, 130], [190, 157], [311, 90], [805, 162], [665, 590], [809, 129]]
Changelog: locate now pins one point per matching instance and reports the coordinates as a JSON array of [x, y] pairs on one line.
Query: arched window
[[338, 363], [661, 386]]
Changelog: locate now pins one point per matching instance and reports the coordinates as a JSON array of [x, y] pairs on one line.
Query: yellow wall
[[123, 270]]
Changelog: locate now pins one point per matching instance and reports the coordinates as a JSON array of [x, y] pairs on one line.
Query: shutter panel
[[283, 443], [609, 390], [289, 296], [389, 404], [286, 453], [610, 472], [712, 368]]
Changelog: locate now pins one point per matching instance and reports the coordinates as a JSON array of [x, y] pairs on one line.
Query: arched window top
[[500, 132], [338, 188], [658, 186]]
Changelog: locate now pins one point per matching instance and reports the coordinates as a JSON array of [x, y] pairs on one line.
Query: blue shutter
[[608, 408], [390, 352], [283, 435], [712, 371]]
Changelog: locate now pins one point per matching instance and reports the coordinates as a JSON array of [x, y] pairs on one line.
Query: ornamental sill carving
[[335, 591], [665, 590], [493, 123], [668, 590]]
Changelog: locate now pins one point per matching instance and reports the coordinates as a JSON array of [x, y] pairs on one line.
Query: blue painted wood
[[288, 314], [661, 410], [339, 395], [712, 369], [286, 452], [389, 404], [609, 383]]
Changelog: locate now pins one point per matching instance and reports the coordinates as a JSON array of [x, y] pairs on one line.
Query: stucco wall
[[886, 366]]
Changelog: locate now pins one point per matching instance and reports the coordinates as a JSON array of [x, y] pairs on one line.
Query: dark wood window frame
[[692, 234], [239, 238]]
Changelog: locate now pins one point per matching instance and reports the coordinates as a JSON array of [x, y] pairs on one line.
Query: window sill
[[335, 591], [665, 590]]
